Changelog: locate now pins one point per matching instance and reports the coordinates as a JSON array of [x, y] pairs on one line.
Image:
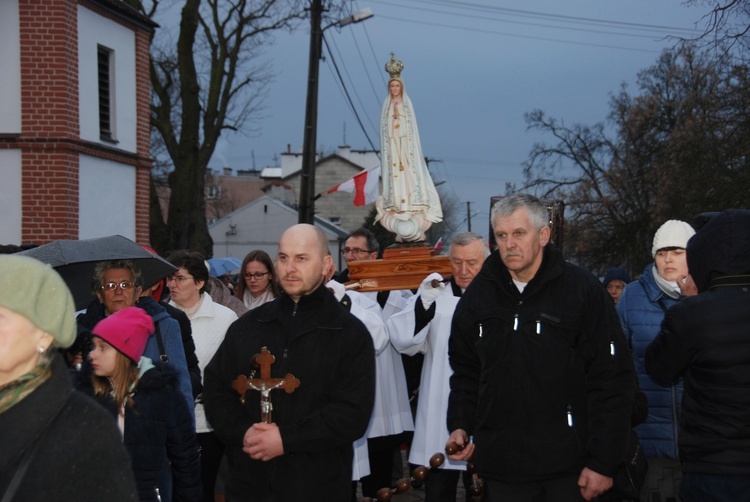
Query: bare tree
[[727, 24], [680, 148], [207, 82]]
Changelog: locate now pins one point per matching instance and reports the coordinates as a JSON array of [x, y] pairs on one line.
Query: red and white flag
[[438, 244], [364, 185]]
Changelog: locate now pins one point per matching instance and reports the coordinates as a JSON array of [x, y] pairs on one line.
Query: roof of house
[[323, 224]]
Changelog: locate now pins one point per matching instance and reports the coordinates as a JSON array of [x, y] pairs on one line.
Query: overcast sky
[[472, 69]]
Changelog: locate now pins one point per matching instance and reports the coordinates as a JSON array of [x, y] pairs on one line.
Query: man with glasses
[[392, 421], [118, 285], [360, 245]]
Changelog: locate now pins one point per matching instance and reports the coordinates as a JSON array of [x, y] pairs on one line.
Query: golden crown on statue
[[394, 67]]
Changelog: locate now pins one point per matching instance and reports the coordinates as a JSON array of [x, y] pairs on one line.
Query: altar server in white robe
[[369, 312], [391, 422], [424, 326]]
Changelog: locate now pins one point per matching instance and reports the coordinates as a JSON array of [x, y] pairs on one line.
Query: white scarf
[[251, 303], [670, 288]]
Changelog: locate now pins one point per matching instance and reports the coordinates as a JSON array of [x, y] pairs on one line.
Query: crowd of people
[[519, 361]]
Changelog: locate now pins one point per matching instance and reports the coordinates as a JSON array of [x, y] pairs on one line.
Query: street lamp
[[307, 183]]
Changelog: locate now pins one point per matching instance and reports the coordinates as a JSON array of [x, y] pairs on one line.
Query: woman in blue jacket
[[641, 309], [151, 413]]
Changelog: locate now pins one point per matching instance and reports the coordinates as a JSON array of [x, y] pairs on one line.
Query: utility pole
[[468, 213], [307, 183]]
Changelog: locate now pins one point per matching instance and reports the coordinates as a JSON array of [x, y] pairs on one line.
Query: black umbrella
[[75, 262]]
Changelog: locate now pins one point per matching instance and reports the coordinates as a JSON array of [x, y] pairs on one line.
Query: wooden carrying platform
[[400, 268]]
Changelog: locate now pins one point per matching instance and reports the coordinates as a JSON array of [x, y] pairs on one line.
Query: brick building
[[74, 120]]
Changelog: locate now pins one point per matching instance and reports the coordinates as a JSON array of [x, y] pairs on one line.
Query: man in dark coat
[[706, 339], [306, 454], [543, 379]]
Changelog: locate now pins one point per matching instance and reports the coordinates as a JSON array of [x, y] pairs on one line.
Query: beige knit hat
[[37, 292]]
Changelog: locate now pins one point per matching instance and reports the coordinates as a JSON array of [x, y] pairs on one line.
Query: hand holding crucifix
[[265, 384]]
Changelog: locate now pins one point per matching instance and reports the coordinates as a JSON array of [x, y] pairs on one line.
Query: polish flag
[[438, 244], [364, 185]]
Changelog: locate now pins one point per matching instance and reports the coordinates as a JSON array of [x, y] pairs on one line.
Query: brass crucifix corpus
[[265, 384]]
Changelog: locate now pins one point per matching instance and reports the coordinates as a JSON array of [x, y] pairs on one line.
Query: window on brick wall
[[106, 94]]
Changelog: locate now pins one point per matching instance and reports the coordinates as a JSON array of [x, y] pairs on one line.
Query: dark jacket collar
[[284, 305], [495, 271], [32, 415], [455, 288]]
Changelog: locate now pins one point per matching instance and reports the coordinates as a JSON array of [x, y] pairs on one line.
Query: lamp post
[[307, 183]]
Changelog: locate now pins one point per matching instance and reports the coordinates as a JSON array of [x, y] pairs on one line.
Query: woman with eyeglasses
[[189, 289], [117, 285], [257, 283]]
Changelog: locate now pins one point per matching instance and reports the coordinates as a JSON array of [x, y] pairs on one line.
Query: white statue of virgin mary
[[409, 203]]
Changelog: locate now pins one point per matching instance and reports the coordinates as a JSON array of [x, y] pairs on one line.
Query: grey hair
[[538, 212], [466, 238], [372, 242], [103, 266]]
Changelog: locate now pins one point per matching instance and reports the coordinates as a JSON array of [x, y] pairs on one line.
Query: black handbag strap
[[162, 354]]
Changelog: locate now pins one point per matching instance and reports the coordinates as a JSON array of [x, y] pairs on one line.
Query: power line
[[529, 37], [463, 6], [349, 98], [351, 81], [372, 51]]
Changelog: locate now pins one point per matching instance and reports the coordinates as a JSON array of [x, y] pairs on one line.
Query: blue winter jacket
[[641, 313], [171, 337]]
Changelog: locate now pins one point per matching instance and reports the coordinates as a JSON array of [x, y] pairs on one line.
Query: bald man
[[308, 448]]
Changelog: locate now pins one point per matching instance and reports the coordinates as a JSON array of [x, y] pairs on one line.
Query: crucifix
[[265, 384]]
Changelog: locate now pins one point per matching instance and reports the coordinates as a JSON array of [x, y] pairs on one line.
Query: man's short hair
[[466, 238], [103, 266], [373, 245], [538, 212]]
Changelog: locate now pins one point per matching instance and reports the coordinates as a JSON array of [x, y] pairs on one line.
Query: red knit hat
[[127, 330]]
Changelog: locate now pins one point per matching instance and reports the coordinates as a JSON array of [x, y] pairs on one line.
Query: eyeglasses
[[111, 286], [178, 278], [356, 251], [257, 277]]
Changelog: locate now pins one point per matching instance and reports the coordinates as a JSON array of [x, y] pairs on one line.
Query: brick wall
[[143, 100], [49, 109], [50, 133]]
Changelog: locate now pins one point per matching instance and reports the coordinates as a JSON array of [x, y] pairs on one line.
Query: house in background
[[330, 171], [259, 225], [74, 120], [228, 189]]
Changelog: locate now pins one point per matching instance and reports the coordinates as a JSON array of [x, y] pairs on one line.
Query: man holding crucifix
[[307, 448]]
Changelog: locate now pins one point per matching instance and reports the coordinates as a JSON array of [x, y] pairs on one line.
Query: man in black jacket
[[306, 454], [543, 379], [705, 339]]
